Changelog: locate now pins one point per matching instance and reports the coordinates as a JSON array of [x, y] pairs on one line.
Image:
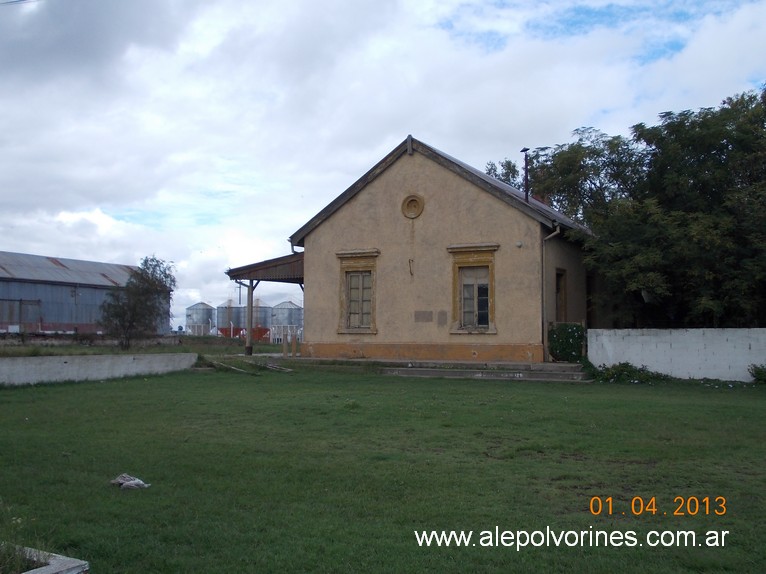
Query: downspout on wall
[[557, 231]]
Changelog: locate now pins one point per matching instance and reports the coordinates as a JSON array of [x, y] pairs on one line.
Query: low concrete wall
[[685, 353], [30, 370], [54, 563]]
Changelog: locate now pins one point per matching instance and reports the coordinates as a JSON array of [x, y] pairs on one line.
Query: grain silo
[[286, 318], [231, 319], [200, 319]]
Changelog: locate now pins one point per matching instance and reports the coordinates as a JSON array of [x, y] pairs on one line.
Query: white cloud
[[208, 132]]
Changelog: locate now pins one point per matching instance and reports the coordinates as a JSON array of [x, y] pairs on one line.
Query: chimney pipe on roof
[[525, 151]]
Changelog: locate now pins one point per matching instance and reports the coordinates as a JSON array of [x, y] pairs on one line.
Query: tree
[[703, 195], [580, 179], [507, 171], [677, 213], [142, 307]]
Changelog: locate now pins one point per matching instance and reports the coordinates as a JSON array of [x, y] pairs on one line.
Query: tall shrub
[[565, 341]]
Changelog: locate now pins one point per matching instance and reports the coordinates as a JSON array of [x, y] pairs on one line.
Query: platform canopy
[[286, 269]]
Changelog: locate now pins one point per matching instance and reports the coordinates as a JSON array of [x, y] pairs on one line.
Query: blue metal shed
[[41, 294]]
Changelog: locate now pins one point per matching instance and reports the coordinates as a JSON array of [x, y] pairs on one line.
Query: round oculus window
[[412, 206]]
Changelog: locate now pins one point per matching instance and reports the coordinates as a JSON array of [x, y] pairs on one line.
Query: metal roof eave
[[285, 269], [539, 211], [24, 267]]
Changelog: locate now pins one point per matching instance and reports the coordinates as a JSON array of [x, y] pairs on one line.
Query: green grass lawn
[[333, 471]]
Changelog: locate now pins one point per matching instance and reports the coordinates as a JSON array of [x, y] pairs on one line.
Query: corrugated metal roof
[[285, 269], [25, 267]]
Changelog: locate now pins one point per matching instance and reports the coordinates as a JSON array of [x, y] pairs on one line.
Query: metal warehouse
[[41, 294]]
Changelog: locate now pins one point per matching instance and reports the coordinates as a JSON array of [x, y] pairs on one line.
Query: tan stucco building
[[427, 258]]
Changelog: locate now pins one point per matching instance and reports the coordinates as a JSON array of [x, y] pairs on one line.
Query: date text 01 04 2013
[[682, 506]]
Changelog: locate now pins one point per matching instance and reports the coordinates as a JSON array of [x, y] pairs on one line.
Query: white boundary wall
[[56, 369], [685, 353]]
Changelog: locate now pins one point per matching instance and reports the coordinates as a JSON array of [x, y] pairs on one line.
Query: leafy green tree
[[703, 193], [142, 307], [677, 213], [506, 171], [580, 179]]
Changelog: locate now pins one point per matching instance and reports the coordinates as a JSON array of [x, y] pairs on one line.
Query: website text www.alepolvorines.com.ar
[[521, 539]]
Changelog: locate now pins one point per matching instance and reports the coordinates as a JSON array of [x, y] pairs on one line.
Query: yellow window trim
[[356, 260], [472, 255]]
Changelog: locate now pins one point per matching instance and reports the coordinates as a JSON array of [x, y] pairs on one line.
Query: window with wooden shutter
[[357, 289], [473, 292]]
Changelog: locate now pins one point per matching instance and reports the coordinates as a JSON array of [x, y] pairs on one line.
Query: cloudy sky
[[206, 132]]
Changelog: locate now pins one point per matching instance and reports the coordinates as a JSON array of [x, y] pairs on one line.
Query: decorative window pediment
[[473, 288], [357, 290]]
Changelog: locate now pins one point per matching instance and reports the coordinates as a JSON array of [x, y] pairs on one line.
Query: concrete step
[[497, 370], [554, 375], [554, 372]]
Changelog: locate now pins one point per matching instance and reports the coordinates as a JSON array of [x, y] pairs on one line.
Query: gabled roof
[[510, 195], [41, 269]]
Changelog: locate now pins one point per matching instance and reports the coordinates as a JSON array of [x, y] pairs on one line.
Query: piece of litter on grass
[[138, 483], [126, 481]]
